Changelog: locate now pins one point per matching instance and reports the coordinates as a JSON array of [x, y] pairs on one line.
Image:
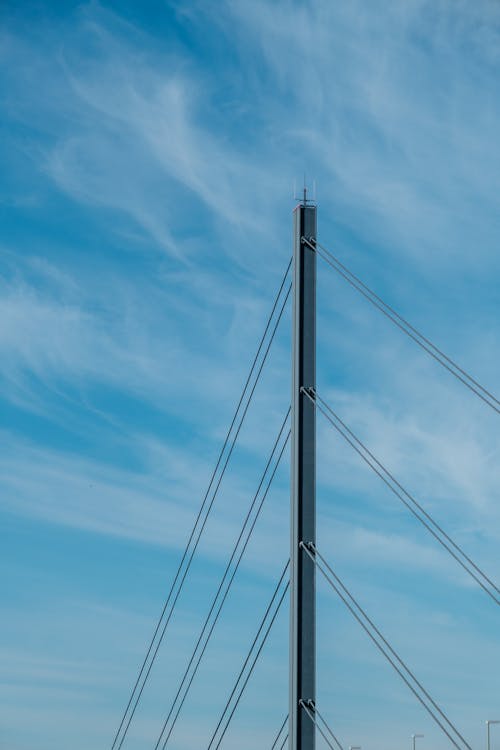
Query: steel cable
[[339, 745], [277, 739], [407, 324], [398, 491], [424, 343], [249, 533], [248, 656], [268, 630], [304, 705], [313, 554], [377, 631], [408, 495], [202, 507]]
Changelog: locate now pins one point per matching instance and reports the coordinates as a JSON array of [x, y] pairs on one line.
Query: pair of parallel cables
[[400, 322], [490, 588], [407, 499], [230, 441], [224, 586], [383, 645], [218, 473], [250, 661], [319, 721]]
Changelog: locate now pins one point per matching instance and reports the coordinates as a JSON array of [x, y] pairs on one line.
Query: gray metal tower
[[303, 483]]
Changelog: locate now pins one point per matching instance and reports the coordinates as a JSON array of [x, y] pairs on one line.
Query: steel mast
[[303, 482]]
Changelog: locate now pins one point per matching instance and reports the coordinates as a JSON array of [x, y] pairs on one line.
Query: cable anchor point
[[309, 391], [308, 546], [311, 241]]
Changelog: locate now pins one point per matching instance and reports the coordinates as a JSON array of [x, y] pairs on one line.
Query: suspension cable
[[247, 659], [328, 728], [242, 690], [254, 662], [403, 495], [405, 492], [386, 643], [284, 742], [277, 738], [200, 512], [306, 706], [231, 579], [362, 618], [423, 342]]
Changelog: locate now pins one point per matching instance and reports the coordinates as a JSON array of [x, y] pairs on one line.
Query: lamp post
[[414, 737], [488, 722]]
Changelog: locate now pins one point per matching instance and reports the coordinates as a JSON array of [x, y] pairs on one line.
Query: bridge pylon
[[303, 482]]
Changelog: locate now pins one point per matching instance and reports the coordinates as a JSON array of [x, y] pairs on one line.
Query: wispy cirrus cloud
[[61, 329], [128, 132], [151, 169], [412, 152]]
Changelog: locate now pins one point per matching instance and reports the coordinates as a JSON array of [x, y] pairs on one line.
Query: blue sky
[[148, 154]]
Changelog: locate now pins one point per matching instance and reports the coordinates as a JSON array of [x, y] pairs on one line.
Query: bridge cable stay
[[323, 720], [280, 732], [384, 647], [228, 586], [327, 727], [405, 497], [423, 342], [248, 657], [312, 712], [189, 679], [372, 625], [309, 548], [143, 675], [254, 662], [406, 493]]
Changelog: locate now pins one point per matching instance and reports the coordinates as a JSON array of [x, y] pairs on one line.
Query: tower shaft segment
[[303, 483]]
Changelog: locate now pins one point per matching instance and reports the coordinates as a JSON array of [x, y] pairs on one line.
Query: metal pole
[[303, 483]]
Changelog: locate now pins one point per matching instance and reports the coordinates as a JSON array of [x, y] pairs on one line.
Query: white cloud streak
[[186, 168]]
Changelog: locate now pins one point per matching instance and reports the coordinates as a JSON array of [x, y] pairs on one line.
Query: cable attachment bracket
[[309, 391], [310, 241], [308, 547]]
